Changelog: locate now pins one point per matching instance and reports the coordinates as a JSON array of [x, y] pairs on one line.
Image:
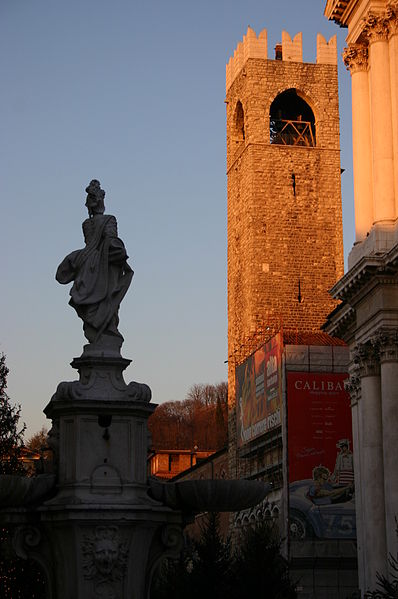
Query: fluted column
[[392, 15], [372, 477], [354, 389], [355, 58], [376, 31], [388, 347]]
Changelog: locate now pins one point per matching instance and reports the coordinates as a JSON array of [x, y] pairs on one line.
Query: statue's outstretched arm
[[66, 271]]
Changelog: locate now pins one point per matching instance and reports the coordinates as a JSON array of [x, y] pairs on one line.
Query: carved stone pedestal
[[100, 427], [98, 552], [101, 535]]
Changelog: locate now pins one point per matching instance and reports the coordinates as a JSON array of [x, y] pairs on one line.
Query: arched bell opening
[[292, 121]]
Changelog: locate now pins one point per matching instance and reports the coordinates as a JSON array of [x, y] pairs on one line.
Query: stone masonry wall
[[276, 237]]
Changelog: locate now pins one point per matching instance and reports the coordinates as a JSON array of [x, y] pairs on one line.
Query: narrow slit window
[[239, 123]]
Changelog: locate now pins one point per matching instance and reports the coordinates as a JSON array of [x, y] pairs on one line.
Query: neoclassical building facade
[[367, 318]]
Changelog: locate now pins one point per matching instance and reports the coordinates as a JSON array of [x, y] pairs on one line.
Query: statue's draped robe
[[101, 276]]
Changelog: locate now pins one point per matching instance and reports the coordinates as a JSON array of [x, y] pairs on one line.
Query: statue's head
[[95, 198]]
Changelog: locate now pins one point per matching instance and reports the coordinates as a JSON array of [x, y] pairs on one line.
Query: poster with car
[[259, 391], [321, 468]]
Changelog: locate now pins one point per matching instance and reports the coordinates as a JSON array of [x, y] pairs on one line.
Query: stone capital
[[353, 387], [387, 345], [392, 9], [392, 17], [367, 359], [376, 27], [355, 57], [353, 384]]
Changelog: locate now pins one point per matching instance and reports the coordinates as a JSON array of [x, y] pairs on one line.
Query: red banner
[[321, 468], [319, 422]]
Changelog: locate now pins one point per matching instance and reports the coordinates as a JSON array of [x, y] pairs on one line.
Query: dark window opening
[[292, 122], [173, 462], [239, 123]]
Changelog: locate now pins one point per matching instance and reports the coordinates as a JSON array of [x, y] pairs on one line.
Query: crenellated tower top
[[250, 47], [253, 46]]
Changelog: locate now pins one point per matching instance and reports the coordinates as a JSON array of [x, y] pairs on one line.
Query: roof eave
[[338, 10]]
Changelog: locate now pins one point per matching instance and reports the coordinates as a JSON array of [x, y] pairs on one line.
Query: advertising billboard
[[259, 391], [321, 470]]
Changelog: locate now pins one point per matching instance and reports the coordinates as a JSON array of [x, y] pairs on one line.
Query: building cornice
[[340, 322], [335, 10], [380, 268], [353, 14]]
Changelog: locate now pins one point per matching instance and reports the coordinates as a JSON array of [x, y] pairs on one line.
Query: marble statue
[[100, 272], [97, 526]]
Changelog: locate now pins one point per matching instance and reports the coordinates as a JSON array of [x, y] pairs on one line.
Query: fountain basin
[[18, 490], [209, 495]]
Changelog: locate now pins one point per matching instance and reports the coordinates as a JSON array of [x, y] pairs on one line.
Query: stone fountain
[[98, 527]]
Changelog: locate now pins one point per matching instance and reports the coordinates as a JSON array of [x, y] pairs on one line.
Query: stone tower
[[285, 247], [285, 252]]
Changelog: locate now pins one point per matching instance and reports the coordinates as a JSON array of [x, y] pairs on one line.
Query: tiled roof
[[310, 338]]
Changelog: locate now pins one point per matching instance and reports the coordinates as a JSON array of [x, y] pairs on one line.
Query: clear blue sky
[[132, 93]]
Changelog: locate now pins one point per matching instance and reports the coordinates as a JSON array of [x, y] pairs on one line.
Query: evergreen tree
[[211, 563], [19, 579], [11, 434], [209, 569], [387, 587], [202, 571], [259, 568]]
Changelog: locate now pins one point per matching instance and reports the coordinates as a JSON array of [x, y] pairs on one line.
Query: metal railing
[[292, 133]]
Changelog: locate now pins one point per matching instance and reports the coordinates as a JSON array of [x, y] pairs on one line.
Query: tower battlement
[[253, 46], [250, 47]]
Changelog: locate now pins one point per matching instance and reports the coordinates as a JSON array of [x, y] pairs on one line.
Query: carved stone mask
[[106, 553]]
